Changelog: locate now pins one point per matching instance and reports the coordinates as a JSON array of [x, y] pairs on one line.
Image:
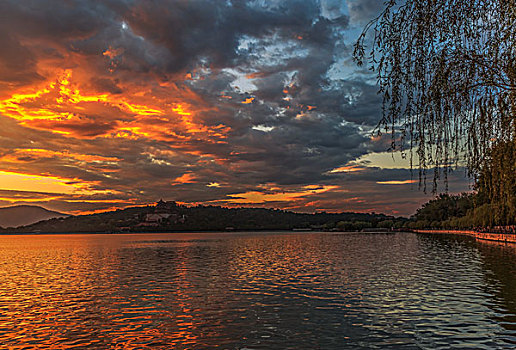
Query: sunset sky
[[109, 104]]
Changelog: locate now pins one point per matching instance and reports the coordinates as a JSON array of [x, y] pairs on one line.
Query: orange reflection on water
[[67, 291], [207, 290]]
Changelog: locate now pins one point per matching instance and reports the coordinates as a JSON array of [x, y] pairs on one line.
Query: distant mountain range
[[22, 215]]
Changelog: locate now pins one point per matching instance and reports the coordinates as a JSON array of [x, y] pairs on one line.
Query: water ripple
[[256, 291]]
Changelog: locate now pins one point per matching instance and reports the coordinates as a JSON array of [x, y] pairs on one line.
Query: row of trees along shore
[[461, 211], [447, 73]]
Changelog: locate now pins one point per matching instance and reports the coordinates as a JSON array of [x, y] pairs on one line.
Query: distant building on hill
[[165, 207], [165, 213], [156, 218]]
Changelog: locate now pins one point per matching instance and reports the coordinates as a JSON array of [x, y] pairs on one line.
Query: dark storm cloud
[[196, 30], [293, 56], [297, 151], [17, 66]]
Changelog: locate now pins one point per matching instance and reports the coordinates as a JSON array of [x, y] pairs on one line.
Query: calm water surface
[[256, 291]]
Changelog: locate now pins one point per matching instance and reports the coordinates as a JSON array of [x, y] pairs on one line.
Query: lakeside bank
[[485, 236]]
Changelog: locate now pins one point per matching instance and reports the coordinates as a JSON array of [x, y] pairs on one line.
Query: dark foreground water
[[256, 291]]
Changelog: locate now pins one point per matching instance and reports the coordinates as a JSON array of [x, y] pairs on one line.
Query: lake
[[256, 291]]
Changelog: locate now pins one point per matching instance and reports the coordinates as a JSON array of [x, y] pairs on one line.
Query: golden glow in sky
[[23, 182]]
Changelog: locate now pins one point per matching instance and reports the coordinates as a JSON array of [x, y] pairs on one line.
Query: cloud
[[362, 11], [198, 101]]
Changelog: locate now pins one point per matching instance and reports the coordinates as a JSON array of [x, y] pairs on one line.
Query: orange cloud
[[63, 107], [186, 178], [396, 182], [29, 200], [255, 197], [112, 53], [256, 75], [48, 184], [19, 153], [347, 169]]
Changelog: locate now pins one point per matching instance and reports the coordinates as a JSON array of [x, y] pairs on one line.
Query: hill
[[168, 216], [22, 215]]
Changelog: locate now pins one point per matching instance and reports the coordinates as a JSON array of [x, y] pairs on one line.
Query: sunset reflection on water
[[257, 291]]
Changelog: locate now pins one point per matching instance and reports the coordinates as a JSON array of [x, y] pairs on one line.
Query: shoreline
[[484, 236], [188, 232]]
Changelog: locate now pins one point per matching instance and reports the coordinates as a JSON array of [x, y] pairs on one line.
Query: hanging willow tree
[[496, 184], [447, 72]]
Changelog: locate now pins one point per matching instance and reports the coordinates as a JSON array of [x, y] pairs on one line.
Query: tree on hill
[[447, 72]]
